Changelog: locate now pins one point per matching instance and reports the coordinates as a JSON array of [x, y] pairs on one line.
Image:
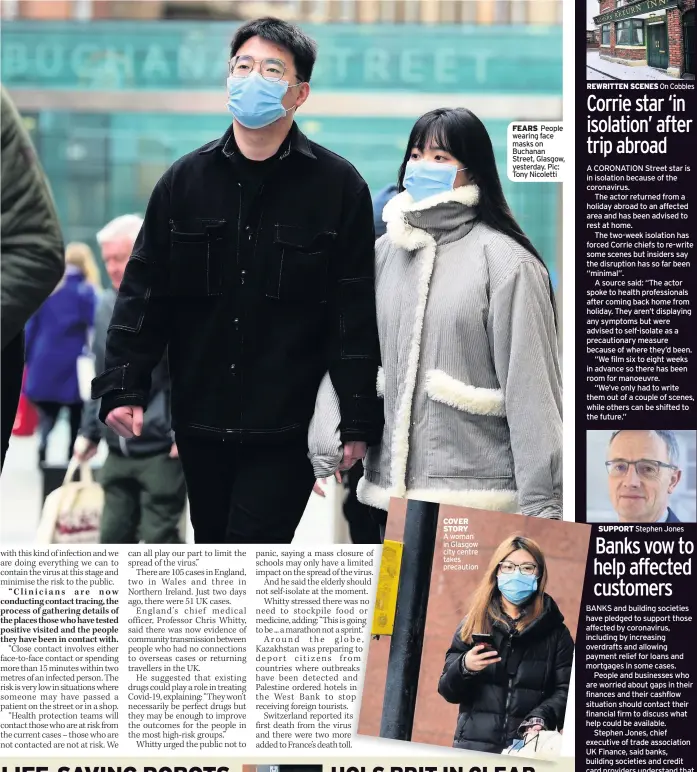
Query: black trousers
[[364, 522], [48, 415], [244, 494], [143, 499], [12, 368]]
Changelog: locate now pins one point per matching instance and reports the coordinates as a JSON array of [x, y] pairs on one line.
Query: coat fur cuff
[[497, 500], [380, 383]]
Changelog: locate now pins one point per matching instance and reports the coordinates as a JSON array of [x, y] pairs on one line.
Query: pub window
[[629, 33], [606, 34], [638, 29], [620, 3]]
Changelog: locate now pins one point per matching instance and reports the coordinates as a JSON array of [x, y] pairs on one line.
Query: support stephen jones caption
[[667, 557]]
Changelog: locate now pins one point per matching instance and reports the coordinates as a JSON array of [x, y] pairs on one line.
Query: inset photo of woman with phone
[[497, 643], [509, 664]]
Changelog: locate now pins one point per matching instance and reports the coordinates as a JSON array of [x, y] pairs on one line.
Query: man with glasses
[[643, 471], [255, 266]]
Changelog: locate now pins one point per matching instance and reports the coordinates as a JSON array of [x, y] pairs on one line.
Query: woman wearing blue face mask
[[471, 380], [520, 686]]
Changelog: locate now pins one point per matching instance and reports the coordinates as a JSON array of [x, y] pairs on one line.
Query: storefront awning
[[636, 9]]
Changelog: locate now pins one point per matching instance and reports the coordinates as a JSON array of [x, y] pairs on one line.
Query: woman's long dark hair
[[460, 133]]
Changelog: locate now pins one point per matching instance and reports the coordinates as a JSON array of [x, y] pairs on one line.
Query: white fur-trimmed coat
[[471, 377]]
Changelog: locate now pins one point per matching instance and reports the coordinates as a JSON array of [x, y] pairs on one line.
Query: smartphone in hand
[[486, 639]]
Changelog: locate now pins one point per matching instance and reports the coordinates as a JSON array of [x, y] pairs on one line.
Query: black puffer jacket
[[532, 679]]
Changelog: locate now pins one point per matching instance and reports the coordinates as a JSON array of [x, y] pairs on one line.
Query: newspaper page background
[[158, 647], [635, 379]]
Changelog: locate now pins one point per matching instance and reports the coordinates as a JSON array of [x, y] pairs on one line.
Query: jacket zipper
[[509, 694], [238, 295]]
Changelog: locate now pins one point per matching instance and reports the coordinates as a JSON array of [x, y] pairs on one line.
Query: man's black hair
[[283, 34]]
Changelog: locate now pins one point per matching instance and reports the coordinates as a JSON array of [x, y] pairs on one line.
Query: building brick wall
[[635, 54], [675, 37], [674, 22], [688, 5], [564, 545], [603, 48]]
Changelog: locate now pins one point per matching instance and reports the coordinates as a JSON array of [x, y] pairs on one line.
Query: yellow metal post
[[388, 583]]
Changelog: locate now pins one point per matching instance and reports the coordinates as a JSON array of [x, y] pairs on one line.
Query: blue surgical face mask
[[516, 587], [256, 102], [428, 178]]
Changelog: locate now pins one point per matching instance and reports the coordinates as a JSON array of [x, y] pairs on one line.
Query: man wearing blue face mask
[[255, 266]]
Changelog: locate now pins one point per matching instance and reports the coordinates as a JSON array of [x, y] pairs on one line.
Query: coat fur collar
[[404, 235]]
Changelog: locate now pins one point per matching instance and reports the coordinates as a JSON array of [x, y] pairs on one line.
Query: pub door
[[657, 41], [688, 41]]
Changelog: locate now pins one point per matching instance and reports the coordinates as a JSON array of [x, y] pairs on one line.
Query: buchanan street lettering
[[174, 55], [635, 9]]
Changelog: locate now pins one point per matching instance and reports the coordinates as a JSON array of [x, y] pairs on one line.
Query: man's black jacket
[[254, 311]]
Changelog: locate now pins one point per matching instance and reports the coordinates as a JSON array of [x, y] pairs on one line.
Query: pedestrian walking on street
[[255, 265], [379, 203], [56, 336], [471, 381], [366, 524], [144, 489], [32, 258]]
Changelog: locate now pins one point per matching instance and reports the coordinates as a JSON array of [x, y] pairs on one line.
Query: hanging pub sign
[[636, 9]]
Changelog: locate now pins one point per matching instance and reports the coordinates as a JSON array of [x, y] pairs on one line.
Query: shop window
[[448, 11], [519, 12], [639, 32], [10, 9], [319, 11], [412, 12], [388, 11], [502, 12], [544, 12], [629, 32], [468, 12], [606, 34]]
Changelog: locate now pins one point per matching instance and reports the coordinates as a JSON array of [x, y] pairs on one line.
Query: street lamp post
[[410, 620]]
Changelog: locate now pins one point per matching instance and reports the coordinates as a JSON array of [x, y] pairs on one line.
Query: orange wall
[[45, 9], [101, 9]]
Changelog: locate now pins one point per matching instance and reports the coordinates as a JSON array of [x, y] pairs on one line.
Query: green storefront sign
[[104, 162], [103, 56], [635, 9]]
